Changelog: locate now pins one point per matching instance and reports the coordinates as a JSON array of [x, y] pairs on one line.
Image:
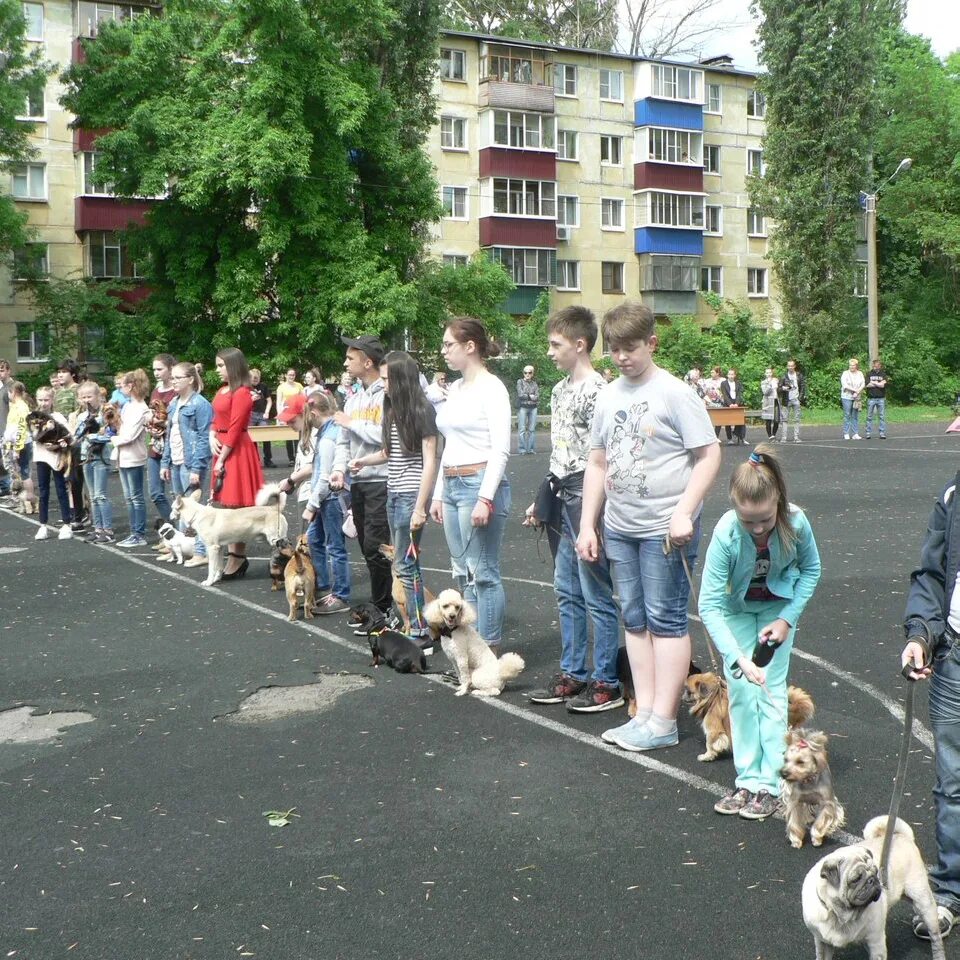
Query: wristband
[[487, 501]]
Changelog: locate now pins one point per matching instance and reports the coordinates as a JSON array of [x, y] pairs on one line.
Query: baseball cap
[[295, 408], [370, 345]]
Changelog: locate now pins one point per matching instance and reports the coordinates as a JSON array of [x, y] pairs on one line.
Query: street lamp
[[870, 201]]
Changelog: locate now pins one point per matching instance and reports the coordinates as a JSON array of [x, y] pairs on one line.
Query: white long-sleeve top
[[851, 383], [130, 441], [475, 423]]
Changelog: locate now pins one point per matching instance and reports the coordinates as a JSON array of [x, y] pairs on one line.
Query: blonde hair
[[320, 407], [188, 370], [760, 479], [138, 382], [89, 386], [44, 390]]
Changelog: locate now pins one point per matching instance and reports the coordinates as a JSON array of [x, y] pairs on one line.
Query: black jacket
[[729, 399], [784, 388]]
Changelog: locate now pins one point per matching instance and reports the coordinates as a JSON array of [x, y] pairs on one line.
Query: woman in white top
[[851, 386], [472, 494], [132, 453]]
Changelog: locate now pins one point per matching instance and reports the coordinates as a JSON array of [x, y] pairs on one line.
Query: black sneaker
[[596, 698], [560, 688], [92, 537], [78, 526]]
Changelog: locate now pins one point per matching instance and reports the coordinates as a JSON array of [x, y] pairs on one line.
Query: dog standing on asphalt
[[300, 580]]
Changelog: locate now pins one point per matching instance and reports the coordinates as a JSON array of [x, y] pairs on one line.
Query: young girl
[[95, 457], [47, 457], [18, 443], [761, 568], [410, 452], [131, 445]]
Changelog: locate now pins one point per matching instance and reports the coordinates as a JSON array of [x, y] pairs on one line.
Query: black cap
[[370, 345]]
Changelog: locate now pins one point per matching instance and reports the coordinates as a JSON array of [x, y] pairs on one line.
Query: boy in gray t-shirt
[[654, 456]]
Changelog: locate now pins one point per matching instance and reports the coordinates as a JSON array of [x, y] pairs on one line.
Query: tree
[[665, 28], [288, 136], [822, 61]]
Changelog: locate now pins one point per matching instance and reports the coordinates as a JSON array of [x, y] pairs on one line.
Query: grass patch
[[829, 416]]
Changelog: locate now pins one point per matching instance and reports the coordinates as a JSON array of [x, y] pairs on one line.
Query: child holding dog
[[94, 456], [48, 459], [761, 569], [131, 445], [18, 442]]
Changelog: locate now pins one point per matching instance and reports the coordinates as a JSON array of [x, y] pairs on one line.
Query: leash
[[668, 547], [413, 553]]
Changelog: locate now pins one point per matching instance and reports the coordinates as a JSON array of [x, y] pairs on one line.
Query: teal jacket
[[729, 566]]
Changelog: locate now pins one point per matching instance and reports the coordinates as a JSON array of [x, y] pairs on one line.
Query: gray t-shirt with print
[[571, 417], [647, 432]]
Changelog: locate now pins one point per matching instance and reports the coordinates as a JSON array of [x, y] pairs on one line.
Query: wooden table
[[272, 433], [727, 416]]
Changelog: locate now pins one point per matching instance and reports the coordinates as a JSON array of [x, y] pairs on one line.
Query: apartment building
[[599, 175]]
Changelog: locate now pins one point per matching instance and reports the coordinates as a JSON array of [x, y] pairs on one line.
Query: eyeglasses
[[528, 371]]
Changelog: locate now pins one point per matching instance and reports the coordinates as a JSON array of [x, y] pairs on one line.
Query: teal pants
[[758, 727]]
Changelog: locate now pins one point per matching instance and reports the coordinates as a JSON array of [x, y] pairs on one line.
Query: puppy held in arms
[[844, 901], [480, 671], [808, 797]]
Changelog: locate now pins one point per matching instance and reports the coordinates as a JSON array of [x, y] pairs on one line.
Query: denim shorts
[[652, 586]]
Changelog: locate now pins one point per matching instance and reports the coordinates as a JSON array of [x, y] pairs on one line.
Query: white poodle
[[478, 668]]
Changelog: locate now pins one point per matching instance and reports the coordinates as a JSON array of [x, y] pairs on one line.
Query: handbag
[[858, 404], [349, 527]]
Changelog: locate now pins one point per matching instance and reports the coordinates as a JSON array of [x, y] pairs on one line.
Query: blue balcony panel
[[668, 113], [668, 240]]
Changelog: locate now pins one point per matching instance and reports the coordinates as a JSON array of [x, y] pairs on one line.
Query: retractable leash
[[668, 547]]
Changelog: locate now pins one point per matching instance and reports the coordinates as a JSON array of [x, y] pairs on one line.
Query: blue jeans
[[399, 511], [878, 404], [180, 481], [945, 721], [158, 489], [527, 429], [652, 586], [328, 549], [95, 475], [6, 484], [475, 551], [580, 588], [851, 418], [131, 480]]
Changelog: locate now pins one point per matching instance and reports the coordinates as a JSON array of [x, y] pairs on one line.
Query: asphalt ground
[[426, 826]]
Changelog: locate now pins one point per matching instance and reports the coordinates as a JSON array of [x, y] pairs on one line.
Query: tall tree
[[822, 60], [665, 28], [288, 136]]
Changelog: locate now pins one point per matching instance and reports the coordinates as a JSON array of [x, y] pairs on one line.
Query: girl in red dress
[[236, 468]]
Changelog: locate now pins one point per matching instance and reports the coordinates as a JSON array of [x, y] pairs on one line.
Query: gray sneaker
[[733, 801], [763, 805], [330, 604]]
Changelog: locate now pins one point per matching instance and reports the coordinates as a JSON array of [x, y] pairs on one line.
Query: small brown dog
[[397, 592], [110, 413], [808, 797], [283, 550], [706, 696], [300, 581]]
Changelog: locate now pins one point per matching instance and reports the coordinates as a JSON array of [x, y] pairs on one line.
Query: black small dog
[[45, 429], [399, 651], [282, 551]]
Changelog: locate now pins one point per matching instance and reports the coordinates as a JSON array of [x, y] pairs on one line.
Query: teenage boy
[[793, 394], [581, 588], [877, 398], [361, 433], [653, 458]]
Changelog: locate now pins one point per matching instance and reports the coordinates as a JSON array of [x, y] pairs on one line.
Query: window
[[568, 211], [711, 280], [90, 161], [756, 105], [455, 203], [611, 277], [860, 279], [611, 151], [611, 214], [524, 130], [755, 167], [673, 146], [711, 159], [31, 342], [91, 15], [611, 85], [671, 273], [755, 225], [565, 79], [29, 181], [713, 220], [527, 268], [454, 260], [34, 107], [453, 133], [756, 281], [108, 257], [509, 64], [453, 64], [33, 14], [525, 198], [567, 145], [677, 83], [714, 98], [568, 274], [31, 262], [676, 210]]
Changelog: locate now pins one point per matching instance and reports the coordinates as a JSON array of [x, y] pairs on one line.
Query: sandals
[[946, 917]]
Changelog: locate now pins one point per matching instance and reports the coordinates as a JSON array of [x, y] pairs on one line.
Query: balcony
[[508, 162], [535, 98], [668, 176], [499, 231], [668, 113], [515, 78], [109, 213], [668, 240]]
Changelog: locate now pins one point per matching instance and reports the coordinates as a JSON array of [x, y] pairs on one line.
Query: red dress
[[231, 417]]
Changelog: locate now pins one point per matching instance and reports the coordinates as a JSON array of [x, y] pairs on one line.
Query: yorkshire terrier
[[807, 794]]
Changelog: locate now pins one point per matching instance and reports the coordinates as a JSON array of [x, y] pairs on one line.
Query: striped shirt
[[403, 472]]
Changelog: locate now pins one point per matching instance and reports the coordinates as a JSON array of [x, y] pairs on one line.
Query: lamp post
[[873, 318]]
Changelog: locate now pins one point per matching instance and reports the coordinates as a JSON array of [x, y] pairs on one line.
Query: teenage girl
[[47, 459], [761, 568], [94, 455], [131, 444]]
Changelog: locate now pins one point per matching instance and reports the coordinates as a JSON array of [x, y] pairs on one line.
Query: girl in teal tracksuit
[[761, 568]]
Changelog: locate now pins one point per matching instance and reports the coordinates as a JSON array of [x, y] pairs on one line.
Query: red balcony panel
[[516, 232], [85, 140], [79, 55], [131, 297], [667, 176], [107, 213], [528, 164]]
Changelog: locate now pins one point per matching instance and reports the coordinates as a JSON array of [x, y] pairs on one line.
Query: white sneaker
[[846, 436], [43, 533], [65, 532], [856, 436]]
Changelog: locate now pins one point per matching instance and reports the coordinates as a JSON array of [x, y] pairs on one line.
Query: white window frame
[[545, 202], [611, 139], [860, 279], [454, 123], [543, 124], [714, 274], [563, 267], [33, 356], [706, 148], [43, 22], [707, 232], [532, 260], [754, 214], [456, 260], [88, 160], [623, 277], [561, 209], [106, 12], [455, 190], [38, 117], [708, 108], [43, 273], [446, 64], [756, 100], [757, 273], [608, 206], [562, 136], [611, 74], [668, 145], [752, 153], [27, 167], [666, 208], [666, 83], [561, 69]]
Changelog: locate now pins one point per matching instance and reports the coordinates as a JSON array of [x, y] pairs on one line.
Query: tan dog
[[808, 797], [397, 591], [300, 581], [706, 696]]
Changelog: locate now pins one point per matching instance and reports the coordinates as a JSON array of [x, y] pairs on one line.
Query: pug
[[844, 901]]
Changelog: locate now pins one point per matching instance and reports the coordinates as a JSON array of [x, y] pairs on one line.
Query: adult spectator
[[528, 399], [877, 398], [793, 394], [288, 388], [694, 380], [163, 392], [731, 395], [6, 482], [312, 382], [851, 387], [361, 434], [609, 374], [770, 403], [345, 390], [436, 391], [260, 414]]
